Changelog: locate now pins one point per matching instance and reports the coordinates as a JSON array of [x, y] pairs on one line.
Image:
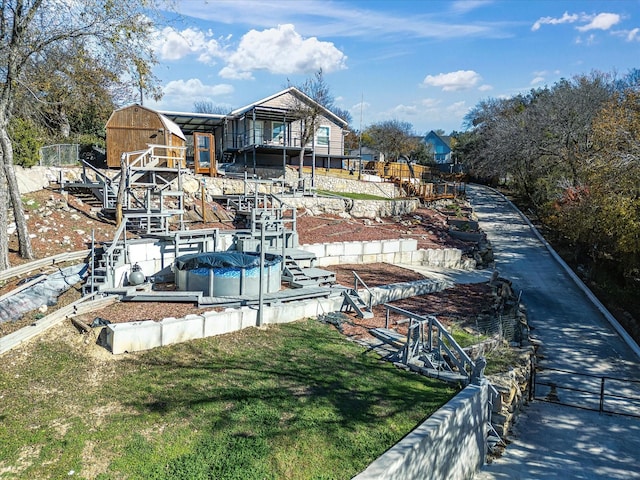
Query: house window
[[277, 133], [322, 136]]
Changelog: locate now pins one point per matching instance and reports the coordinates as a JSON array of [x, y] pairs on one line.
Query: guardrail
[[600, 393]]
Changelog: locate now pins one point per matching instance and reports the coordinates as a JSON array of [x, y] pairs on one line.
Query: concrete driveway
[[575, 334]]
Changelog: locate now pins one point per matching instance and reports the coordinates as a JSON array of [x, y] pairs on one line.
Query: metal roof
[[195, 122]]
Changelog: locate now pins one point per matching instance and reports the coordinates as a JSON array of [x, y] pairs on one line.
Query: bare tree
[[392, 138], [308, 113], [113, 34], [207, 106]]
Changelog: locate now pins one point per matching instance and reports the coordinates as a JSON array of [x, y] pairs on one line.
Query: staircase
[[153, 193], [354, 302], [103, 264], [299, 277]]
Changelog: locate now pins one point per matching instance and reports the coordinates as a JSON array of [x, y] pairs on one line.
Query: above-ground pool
[[223, 274]]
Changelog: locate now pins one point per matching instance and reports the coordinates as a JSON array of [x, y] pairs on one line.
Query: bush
[[27, 141]]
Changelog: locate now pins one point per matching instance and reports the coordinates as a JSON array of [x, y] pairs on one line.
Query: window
[[277, 133], [322, 136]]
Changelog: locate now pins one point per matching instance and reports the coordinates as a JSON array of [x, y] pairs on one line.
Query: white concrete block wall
[[334, 249], [353, 248], [177, 330], [134, 336], [448, 445], [219, 323], [390, 246], [318, 249], [137, 251], [371, 248], [348, 259], [408, 245]]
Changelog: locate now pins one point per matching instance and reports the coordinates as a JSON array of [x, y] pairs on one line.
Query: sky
[[418, 61]]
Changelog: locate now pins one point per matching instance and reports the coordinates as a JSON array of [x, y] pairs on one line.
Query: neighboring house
[[367, 154], [440, 146], [265, 134]]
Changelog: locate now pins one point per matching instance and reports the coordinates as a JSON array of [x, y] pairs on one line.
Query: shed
[[136, 128]]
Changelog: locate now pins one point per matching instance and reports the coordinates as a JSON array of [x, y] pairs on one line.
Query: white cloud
[[171, 44], [194, 88], [281, 50], [537, 80], [566, 18], [485, 88], [632, 35], [453, 81], [430, 102], [405, 110], [602, 21], [458, 109]]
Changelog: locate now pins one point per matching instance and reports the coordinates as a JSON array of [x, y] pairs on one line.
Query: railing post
[[532, 378], [602, 395]]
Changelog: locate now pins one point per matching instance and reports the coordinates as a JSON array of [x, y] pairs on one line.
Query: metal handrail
[[355, 287], [598, 390], [457, 355]]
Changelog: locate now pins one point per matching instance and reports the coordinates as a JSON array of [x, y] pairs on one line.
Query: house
[[367, 154], [266, 136], [440, 146]]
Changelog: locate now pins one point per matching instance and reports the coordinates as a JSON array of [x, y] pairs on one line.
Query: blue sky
[[420, 61]]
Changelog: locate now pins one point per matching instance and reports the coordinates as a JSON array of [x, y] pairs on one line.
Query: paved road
[[550, 440]]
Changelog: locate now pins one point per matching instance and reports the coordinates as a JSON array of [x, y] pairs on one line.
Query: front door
[[204, 155]]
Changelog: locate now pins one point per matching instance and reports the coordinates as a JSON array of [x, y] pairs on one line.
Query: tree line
[[571, 153], [64, 66]]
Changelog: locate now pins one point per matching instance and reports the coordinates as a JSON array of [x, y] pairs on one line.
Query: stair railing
[[441, 342], [109, 252], [358, 280], [108, 184]]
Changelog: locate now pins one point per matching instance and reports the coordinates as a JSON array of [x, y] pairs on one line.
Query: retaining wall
[[449, 445], [144, 335], [225, 185], [147, 334]]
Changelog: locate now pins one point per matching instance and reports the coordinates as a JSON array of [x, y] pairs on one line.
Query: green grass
[[30, 204], [352, 195], [294, 401], [463, 338], [501, 360]]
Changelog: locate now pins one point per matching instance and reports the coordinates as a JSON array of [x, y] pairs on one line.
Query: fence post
[[602, 395], [532, 378]]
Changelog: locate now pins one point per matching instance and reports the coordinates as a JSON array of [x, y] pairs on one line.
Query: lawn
[[294, 401]]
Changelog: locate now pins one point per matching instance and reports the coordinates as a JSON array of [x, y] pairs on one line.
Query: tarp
[[42, 293], [212, 260]]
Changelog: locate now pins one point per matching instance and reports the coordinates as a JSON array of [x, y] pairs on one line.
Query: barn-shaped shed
[[136, 128]]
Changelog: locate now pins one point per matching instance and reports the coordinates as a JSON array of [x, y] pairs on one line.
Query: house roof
[[282, 111], [445, 139]]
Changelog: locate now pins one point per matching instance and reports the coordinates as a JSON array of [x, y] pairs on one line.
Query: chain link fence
[[60, 154]]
